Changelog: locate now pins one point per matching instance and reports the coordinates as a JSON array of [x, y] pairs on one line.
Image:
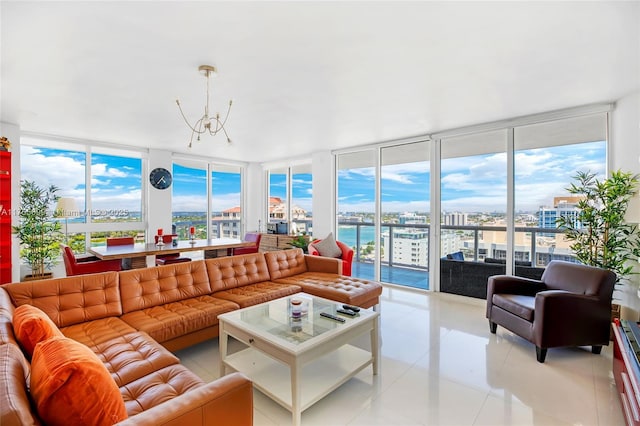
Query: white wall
[[158, 200], [255, 199], [625, 149], [625, 155], [324, 193]]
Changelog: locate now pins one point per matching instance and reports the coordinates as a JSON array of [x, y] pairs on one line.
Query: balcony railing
[[538, 246]]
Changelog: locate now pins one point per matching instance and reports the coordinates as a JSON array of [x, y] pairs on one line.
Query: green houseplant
[[599, 234], [39, 235], [301, 241]]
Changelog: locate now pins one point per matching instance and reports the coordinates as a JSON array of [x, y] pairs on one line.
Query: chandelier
[[206, 123]]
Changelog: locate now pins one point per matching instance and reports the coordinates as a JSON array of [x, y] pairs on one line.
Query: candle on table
[[160, 231], [192, 230]]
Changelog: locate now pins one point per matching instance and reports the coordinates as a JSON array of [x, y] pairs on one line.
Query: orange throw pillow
[[71, 386], [32, 326]]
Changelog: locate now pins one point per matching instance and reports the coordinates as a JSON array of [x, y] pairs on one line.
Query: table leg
[[375, 345], [222, 345], [295, 393]]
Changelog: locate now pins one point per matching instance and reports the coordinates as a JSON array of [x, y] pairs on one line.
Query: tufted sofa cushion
[[172, 320], [285, 263], [95, 332], [158, 387], [254, 294], [71, 300], [149, 287], [234, 271], [128, 354]]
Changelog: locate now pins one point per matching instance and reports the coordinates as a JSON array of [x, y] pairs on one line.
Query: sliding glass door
[[356, 195], [405, 207], [473, 220]]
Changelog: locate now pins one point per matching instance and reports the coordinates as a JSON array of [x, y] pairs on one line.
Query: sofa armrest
[[570, 319], [511, 284], [330, 265], [225, 401]]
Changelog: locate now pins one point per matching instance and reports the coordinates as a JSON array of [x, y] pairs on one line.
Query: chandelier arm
[[227, 116], [226, 134], [186, 121], [218, 125]]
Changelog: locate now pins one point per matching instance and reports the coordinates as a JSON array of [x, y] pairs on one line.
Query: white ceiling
[[306, 76]]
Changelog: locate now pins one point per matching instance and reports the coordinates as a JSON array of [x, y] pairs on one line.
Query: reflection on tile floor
[[441, 366]]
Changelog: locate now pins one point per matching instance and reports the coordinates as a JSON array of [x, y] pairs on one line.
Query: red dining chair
[[168, 259], [122, 241], [73, 267], [253, 237]]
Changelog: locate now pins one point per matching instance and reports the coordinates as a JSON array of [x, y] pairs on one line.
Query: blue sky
[[301, 188], [476, 183], [473, 184]]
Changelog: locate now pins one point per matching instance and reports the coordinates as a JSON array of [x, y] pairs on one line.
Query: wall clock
[[160, 178]]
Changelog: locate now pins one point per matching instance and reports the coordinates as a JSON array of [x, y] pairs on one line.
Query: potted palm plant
[[599, 234], [38, 233]]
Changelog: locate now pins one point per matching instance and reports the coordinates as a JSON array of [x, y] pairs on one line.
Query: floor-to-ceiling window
[[202, 189], [502, 187], [189, 198], [104, 184], [301, 199], [356, 196], [278, 210], [290, 199], [547, 157], [405, 217], [226, 201], [473, 200]]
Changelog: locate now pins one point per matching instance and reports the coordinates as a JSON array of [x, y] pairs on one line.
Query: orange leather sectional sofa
[[131, 320]]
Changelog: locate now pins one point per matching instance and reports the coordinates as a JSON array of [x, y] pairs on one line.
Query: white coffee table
[[296, 362]]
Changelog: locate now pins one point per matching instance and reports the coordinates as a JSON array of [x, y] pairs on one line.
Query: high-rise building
[[562, 207], [455, 219], [412, 218]]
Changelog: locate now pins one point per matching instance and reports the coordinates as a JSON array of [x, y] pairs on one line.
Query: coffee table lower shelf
[[317, 379]]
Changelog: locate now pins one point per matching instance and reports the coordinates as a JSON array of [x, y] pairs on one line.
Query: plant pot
[[45, 276]]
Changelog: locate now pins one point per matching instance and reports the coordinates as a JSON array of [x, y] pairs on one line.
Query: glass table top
[[274, 320]]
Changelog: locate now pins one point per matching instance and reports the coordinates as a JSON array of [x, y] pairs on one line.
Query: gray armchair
[[569, 306]]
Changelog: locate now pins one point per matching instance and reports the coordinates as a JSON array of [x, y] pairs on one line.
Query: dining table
[[143, 254]]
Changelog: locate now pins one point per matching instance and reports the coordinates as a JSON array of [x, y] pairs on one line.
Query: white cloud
[[102, 170], [64, 172]]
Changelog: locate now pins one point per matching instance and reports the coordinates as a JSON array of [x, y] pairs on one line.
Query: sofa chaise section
[[320, 276]]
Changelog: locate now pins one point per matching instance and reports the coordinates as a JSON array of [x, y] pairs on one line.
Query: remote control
[[347, 312], [331, 316], [351, 308]]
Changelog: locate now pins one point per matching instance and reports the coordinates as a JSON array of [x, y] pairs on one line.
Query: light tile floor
[[441, 366]]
